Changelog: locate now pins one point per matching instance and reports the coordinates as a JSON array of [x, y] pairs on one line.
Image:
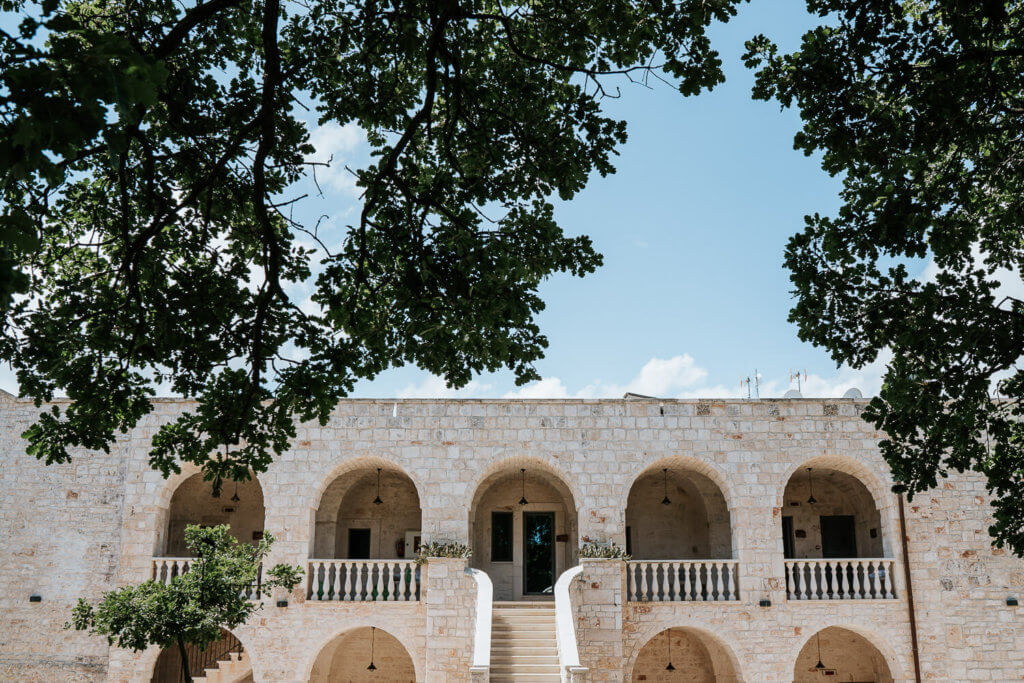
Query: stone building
[[766, 546]]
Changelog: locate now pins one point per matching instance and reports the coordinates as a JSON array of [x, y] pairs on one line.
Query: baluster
[[815, 578], [798, 581], [858, 579], [412, 582], [643, 581], [400, 593], [357, 589], [841, 592], [685, 566], [726, 588], [660, 579], [346, 587], [391, 585], [310, 581], [378, 581], [874, 578], [631, 580], [675, 582], [887, 583]]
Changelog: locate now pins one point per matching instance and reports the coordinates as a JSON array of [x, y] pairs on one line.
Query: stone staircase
[[523, 642], [234, 668]]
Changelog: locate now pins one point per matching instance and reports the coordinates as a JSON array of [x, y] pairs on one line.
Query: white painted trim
[[484, 606], [568, 654]]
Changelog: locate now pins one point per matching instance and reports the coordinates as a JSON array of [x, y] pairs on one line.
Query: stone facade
[[88, 526]]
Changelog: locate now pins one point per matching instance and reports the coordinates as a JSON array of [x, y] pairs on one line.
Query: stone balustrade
[[167, 568], [840, 579], [363, 580], [683, 580]]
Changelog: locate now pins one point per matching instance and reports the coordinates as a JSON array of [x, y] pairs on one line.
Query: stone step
[[523, 658], [498, 670], [529, 678], [517, 643]]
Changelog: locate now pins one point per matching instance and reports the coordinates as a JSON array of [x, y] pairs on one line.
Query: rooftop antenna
[[794, 375], [745, 382], [757, 383]]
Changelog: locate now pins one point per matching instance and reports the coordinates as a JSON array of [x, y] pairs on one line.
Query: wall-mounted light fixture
[[765, 602], [1011, 602], [35, 598]]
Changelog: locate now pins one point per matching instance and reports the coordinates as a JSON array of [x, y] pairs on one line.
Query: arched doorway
[[523, 530], [371, 510], [844, 654], [674, 512], [694, 656], [226, 655], [239, 505], [349, 656]]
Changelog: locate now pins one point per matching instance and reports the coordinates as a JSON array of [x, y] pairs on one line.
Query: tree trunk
[[185, 672]]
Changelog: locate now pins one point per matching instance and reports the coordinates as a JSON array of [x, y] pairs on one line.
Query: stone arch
[[865, 489], [186, 498], [860, 647], [553, 502], [724, 664], [356, 627], [697, 523], [346, 482], [147, 660]]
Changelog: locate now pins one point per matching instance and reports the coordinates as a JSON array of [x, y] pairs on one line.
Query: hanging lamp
[[669, 667], [819, 665], [812, 500], [377, 500], [235, 498], [373, 634], [522, 501], [665, 500]]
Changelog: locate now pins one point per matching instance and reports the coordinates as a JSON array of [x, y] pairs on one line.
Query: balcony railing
[[167, 568], [363, 580], [853, 579], [683, 580]]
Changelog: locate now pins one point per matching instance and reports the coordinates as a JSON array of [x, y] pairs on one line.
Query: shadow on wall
[[846, 655], [349, 657], [239, 505], [682, 655]]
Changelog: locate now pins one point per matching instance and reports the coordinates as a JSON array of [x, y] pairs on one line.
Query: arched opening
[[830, 513], [239, 505], [844, 654], [226, 655], [349, 656], [523, 530], [369, 511], [694, 656], [674, 512]]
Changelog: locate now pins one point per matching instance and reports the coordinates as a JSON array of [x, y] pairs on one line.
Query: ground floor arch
[[684, 655], [841, 654], [365, 653], [226, 655], [523, 529]]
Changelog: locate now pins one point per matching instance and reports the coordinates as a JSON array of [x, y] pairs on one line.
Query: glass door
[[539, 553]]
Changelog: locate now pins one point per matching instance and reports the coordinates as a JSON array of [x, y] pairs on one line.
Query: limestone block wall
[[87, 526]]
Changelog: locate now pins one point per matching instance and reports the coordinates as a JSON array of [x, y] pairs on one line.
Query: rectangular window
[[501, 537]]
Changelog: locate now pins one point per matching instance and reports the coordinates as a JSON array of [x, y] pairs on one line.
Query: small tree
[[192, 608]]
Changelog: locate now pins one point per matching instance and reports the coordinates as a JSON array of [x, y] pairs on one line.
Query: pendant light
[[235, 498], [373, 634], [522, 501], [812, 500], [819, 666], [377, 500], [669, 667], [665, 500]]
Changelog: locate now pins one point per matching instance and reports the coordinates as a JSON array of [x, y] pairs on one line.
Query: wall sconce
[[765, 602], [282, 603], [35, 598], [1011, 602]]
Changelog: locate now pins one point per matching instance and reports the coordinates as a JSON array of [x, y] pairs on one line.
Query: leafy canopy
[[919, 106], [194, 607], [147, 149]]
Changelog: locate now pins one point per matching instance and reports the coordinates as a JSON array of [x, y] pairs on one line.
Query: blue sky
[[693, 226], [692, 296]]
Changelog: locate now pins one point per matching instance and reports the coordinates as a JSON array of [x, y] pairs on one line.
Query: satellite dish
[[792, 393], [853, 392]]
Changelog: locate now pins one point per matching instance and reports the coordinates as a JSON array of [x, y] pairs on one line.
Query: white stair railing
[[363, 581], [869, 578], [565, 629], [683, 580], [481, 665], [167, 568]]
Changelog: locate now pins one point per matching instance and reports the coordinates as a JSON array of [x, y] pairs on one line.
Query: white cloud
[[335, 145], [433, 386]]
